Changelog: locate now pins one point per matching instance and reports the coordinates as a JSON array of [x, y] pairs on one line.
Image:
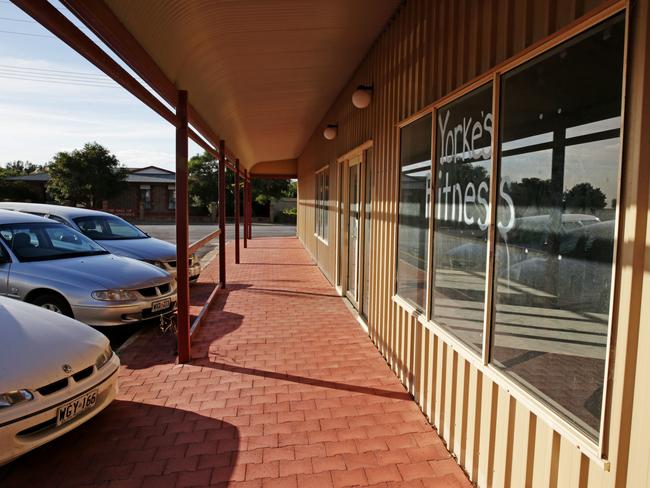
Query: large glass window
[[322, 203], [414, 200], [555, 202], [463, 166], [558, 181]]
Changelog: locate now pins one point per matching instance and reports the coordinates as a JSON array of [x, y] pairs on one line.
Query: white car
[[55, 374]]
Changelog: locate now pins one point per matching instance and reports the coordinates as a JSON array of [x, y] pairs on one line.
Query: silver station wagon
[[113, 233], [51, 265]]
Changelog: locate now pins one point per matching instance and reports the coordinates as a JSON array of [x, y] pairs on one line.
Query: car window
[[108, 227], [4, 254], [39, 241], [62, 238]]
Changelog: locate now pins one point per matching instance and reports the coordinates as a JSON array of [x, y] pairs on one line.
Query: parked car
[[55, 374], [52, 265], [113, 233], [584, 269], [528, 236]]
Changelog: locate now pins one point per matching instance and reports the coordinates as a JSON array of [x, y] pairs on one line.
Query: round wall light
[[330, 132], [362, 96]]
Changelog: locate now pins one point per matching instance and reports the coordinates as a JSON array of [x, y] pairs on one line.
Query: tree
[[203, 183], [272, 189], [203, 180], [584, 196], [20, 168], [88, 175]]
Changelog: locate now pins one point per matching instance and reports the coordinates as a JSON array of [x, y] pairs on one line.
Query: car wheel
[[52, 302]]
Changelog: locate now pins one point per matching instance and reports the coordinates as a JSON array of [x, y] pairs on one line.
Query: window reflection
[[464, 160], [556, 221], [414, 199]]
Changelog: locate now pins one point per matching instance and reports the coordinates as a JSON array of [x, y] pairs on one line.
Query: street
[[167, 232]]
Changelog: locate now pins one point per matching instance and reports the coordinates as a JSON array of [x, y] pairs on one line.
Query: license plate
[[161, 305], [71, 409]]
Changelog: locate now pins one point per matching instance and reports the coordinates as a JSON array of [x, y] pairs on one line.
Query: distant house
[[150, 194]]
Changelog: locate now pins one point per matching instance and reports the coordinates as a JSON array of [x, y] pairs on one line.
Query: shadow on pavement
[[131, 441]]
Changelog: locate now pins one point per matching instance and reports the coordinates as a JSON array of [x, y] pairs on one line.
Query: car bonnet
[[35, 344], [99, 272], [149, 249]]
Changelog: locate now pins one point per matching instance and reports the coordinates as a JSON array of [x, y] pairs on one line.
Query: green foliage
[[287, 216], [266, 190], [535, 192], [20, 168], [584, 196], [88, 175], [203, 180]]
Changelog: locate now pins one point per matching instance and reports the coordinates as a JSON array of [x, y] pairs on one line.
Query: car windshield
[[108, 228], [43, 241]]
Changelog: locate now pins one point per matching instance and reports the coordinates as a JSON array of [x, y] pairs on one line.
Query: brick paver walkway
[[285, 390]]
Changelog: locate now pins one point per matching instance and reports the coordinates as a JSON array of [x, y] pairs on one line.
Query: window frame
[[144, 191], [171, 197], [321, 206], [412, 307], [595, 450]]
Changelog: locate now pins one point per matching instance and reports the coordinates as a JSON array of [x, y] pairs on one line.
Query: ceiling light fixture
[[362, 96], [330, 131]]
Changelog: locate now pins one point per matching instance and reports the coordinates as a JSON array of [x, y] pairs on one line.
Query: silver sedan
[[51, 265], [113, 233]]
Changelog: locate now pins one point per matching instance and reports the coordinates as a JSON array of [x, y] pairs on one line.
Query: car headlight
[[13, 397], [114, 295], [103, 358]]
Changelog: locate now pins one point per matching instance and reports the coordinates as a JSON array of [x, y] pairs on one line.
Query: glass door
[[340, 272], [353, 231], [367, 229]]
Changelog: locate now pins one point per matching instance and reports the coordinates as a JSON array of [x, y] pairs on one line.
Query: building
[[493, 129], [485, 211], [150, 194]]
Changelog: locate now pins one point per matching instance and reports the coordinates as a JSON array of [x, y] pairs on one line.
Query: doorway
[[354, 227]]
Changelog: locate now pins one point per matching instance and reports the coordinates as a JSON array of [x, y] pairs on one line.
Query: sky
[[52, 99]]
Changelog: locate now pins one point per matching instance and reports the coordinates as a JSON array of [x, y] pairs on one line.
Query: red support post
[[250, 208], [245, 208], [222, 213], [237, 209], [182, 230]]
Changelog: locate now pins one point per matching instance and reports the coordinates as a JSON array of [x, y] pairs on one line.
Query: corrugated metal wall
[[428, 49]]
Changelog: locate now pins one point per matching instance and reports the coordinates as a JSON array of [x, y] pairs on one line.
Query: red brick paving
[[284, 390]]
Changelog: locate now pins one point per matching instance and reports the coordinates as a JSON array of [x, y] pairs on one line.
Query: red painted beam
[[237, 207], [54, 21], [222, 214], [182, 230]]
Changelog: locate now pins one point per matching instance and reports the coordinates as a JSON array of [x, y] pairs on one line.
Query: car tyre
[[53, 302]]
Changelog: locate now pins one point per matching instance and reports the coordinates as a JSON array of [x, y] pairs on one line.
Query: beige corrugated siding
[[427, 50]]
